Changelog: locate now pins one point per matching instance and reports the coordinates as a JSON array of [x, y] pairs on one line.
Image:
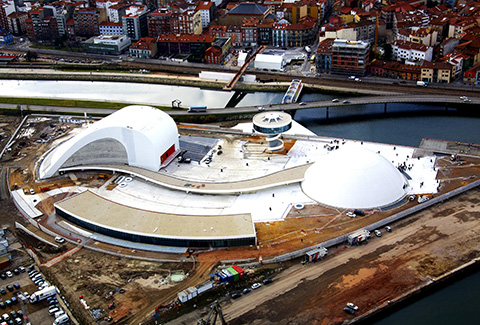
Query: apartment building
[[350, 57]]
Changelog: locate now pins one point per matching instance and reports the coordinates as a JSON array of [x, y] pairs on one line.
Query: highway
[[448, 100]]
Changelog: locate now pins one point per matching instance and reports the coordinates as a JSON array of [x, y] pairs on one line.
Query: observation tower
[[272, 124]]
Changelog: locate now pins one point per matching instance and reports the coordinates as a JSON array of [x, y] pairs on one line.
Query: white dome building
[[140, 136], [354, 178]]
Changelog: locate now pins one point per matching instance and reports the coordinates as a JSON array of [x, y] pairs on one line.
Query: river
[[405, 124]]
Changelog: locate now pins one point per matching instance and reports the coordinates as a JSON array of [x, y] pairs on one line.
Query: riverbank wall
[[178, 80]]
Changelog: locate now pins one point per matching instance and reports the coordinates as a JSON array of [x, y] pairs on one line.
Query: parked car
[[3, 276], [5, 317], [351, 214], [14, 300], [9, 274], [352, 305], [236, 295], [246, 290], [21, 269], [359, 212], [256, 286], [2, 305], [52, 311], [13, 314], [16, 285], [18, 321], [267, 281], [349, 310], [9, 287], [3, 291], [388, 228], [377, 233], [8, 302], [16, 272]]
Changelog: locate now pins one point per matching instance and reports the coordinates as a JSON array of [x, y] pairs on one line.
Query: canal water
[[405, 124]]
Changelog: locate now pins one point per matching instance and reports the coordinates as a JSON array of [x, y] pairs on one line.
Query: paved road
[[427, 98]]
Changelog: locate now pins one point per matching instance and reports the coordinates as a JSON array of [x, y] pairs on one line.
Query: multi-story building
[[279, 33], [62, 14], [16, 22], [110, 28], [413, 52], [159, 22], [6, 8], [87, 20], [206, 9], [189, 22], [116, 12], [264, 32], [145, 48], [440, 72], [195, 45], [350, 57], [249, 31], [311, 8], [135, 23], [323, 58], [302, 33], [425, 36], [458, 26], [232, 32]]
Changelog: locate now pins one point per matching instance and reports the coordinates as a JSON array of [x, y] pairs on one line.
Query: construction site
[[432, 231]]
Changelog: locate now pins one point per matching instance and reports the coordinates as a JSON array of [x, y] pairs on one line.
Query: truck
[[43, 294], [422, 83], [358, 237], [315, 254], [195, 109]]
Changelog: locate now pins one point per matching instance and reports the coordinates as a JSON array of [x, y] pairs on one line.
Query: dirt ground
[[419, 249]]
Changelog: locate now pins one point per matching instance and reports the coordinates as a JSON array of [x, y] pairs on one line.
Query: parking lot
[[15, 288]]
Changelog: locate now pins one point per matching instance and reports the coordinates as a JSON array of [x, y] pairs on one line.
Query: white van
[[59, 313], [63, 319]]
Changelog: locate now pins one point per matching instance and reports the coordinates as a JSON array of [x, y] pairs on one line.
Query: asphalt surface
[[423, 98]]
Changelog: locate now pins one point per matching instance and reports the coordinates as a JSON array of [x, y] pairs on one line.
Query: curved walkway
[[283, 177]]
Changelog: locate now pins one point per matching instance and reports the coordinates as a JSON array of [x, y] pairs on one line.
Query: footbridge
[[244, 67]]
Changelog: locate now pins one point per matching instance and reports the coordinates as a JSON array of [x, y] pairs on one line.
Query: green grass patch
[[69, 103]]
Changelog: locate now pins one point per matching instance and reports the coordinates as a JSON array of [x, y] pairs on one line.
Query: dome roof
[[354, 178]]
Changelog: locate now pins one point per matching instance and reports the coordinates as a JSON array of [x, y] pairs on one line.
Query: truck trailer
[[43, 294], [358, 237], [315, 254]]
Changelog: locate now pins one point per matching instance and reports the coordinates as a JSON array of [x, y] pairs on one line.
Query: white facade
[[144, 133], [354, 178], [205, 14], [412, 52], [267, 61]]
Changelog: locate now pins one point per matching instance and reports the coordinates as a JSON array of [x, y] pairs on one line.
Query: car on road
[[246, 290], [267, 281], [358, 79], [260, 108], [352, 305], [377, 233], [335, 100], [467, 100], [388, 228], [302, 104], [32, 191], [256, 286], [351, 214], [236, 295], [59, 239], [346, 101]]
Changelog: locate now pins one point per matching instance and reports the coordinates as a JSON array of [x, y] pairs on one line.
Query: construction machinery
[[215, 311]]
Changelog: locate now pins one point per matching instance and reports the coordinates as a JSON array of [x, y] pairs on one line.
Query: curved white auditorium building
[[140, 136]]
